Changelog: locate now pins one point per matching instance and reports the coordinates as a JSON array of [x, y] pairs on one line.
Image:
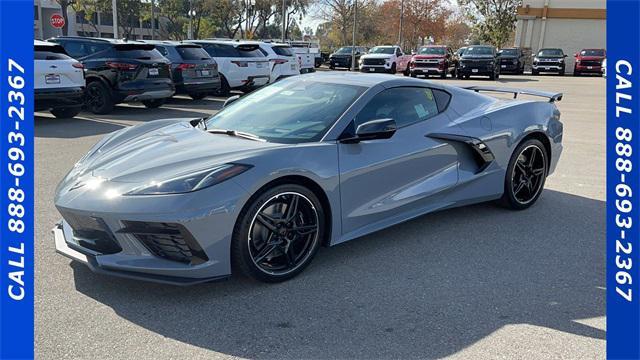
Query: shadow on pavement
[[424, 289]]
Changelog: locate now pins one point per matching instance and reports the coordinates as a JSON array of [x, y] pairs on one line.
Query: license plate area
[[154, 72], [52, 79], [205, 73], [474, 70]]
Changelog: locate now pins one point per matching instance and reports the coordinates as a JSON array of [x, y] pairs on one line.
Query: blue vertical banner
[[16, 179], [623, 181]]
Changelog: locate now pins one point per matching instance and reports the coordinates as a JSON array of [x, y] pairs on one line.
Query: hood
[[340, 55], [376, 56], [509, 56], [466, 57], [428, 56], [598, 58], [159, 150]]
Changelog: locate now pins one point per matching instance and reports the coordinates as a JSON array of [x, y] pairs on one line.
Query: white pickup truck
[[306, 58], [388, 58]]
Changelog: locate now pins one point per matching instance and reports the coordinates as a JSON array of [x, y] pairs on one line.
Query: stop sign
[[57, 21]]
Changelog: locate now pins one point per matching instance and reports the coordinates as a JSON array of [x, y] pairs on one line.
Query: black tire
[[529, 187], [460, 76], [576, 73], [497, 75], [224, 90], [443, 75], [66, 113], [198, 96], [393, 69], [534, 72], [561, 73], [413, 75], [406, 71], [331, 67], [153, 104], [492, 76], [98, 99], [251, 229]]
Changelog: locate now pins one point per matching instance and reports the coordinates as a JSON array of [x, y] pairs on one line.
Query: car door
[[385, 180], [402, 61]]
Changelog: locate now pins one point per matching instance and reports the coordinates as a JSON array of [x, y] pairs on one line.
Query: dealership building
[[100, 25], [571, 25]]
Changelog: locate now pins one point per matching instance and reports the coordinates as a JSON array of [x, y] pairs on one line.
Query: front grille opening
[[167, 240], [92, 233]]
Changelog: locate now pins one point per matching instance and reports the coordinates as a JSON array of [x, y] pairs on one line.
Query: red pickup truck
[[589, 61], [434, 60]]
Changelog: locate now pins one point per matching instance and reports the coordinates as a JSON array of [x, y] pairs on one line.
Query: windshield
[[192, 53], [550, 52], [344, 50], [509, 52], [381, 50], [290, 111], [592, 52], [431, 51], [478, 50]]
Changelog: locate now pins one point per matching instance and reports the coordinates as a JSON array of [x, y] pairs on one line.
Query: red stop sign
[[57, 21]]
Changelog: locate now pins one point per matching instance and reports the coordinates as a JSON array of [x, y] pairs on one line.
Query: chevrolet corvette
[[313, 160]]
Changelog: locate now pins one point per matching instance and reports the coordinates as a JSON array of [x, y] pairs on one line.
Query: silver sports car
[[311, 160]]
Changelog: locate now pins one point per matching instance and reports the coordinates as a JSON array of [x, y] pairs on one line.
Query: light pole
[[401, 23], [249, 4], [353, 40], [153, 21], [284, 20], [192, 13], [114, 5]]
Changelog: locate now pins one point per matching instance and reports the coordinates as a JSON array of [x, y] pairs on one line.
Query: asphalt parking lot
[[475, 282]]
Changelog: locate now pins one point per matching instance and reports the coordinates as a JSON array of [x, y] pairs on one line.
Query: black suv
[[194, 72], [549, 60], [120, 71], [479, 60], [511, 61], [342, 57]]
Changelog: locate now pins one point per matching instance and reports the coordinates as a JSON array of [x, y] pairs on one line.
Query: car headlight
[[191, 182]]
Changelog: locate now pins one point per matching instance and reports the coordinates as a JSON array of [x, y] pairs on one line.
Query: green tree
[[493, 20]]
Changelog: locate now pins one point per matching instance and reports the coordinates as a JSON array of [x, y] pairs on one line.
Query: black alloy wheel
[[526, 175], [98, 99], [278, 234]]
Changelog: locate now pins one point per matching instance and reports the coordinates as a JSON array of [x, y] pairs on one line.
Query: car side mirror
[[373, 130], [230, 100], [575, 55], [565, 55]]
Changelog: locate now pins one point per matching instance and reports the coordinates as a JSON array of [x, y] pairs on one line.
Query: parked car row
[[474, 60], [105, 72]]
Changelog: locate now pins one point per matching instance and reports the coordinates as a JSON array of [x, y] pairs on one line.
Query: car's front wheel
[[278, 233], [526, 175]]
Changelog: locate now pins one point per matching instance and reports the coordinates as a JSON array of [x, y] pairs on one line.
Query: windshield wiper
[[240, 134]]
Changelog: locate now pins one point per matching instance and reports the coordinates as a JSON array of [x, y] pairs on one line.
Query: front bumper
[[475, 71], [596, 69], [131, 253], [375, 68], [58, 98], [426, 70], [340, 62], [509, 67], [547, 68]]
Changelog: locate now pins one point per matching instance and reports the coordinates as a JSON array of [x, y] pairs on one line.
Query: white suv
[[58, 80], [282, 60], [241, 64]]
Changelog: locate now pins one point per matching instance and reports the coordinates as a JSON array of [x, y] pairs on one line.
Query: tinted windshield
[[478, 50], [381, 50], [550, 52], [290, 111], [592, 52], [192, 53], [509, 52], [344, 50], [431, 51]]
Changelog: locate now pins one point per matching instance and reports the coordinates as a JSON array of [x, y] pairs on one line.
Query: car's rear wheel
[[65, 113], [98, 98], [278, 233], [155, 103], [526, 175], [534, 72]]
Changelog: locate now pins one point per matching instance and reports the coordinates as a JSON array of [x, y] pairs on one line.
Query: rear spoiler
[[553, 97]]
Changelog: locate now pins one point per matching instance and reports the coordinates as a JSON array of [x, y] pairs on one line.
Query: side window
[[398, 52], [223, 50], [75, 49], [405, 105], [95, 48]]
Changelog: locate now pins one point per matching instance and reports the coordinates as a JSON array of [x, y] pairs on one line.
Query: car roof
[[169, 43], [433, 46], [227, 42], [44, 43], [366, 80], [96, 39]]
